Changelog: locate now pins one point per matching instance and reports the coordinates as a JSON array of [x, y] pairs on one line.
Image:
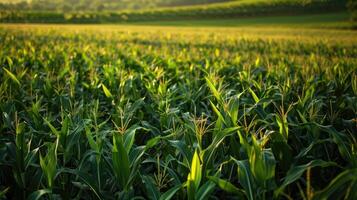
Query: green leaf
[[344, 144], [255, 97], [53, 129], [38, 194], [3, 192], [151, 189], [91, 141], [226, 186], [31, 157], [170, 193], [296, 171], [65, 126], [182, 147], [218, 139], [303, 119], [283, 126], [234, 109], [106, 91], [120, 160], [49, 164], [220, 121], [214, 91], [152, 142], [245, 178], [205, 190], [9, 61], [196, 171], [339, 182], [86, 178], [12, 76], [190, 190], [129, 136], [257, 62], [262, 163]]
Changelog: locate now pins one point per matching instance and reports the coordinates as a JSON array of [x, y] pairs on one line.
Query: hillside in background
[[224, 10], [96, 5]]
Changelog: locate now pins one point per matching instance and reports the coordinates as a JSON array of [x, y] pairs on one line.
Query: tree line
[[97, 5]]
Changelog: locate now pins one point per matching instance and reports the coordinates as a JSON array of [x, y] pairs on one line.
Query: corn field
[[125, 113], [238, 9]]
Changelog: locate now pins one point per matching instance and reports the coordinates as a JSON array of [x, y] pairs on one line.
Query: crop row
[[130, 115]]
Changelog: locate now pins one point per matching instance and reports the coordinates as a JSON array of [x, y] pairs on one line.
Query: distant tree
[[352, 7]]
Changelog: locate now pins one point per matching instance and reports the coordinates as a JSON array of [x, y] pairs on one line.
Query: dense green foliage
[[151, 113], [95, 5], [243, 8]]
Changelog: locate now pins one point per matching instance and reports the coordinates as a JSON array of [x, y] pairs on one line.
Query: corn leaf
[[227, 186], [170, 193], [120, 161], [295, 172], [196, 171], [106, 91], [39, 194], [12, 77], [338, 183]]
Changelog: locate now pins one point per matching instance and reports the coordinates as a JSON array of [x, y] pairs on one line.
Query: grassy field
[[338, 20], [164, 112], [304, 32], [226, 10]]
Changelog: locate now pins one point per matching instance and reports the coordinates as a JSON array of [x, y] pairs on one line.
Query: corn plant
[[115, 113]]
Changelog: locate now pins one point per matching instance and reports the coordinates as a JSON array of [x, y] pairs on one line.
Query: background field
[[226, 10], [339, 20], [96, 5]]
